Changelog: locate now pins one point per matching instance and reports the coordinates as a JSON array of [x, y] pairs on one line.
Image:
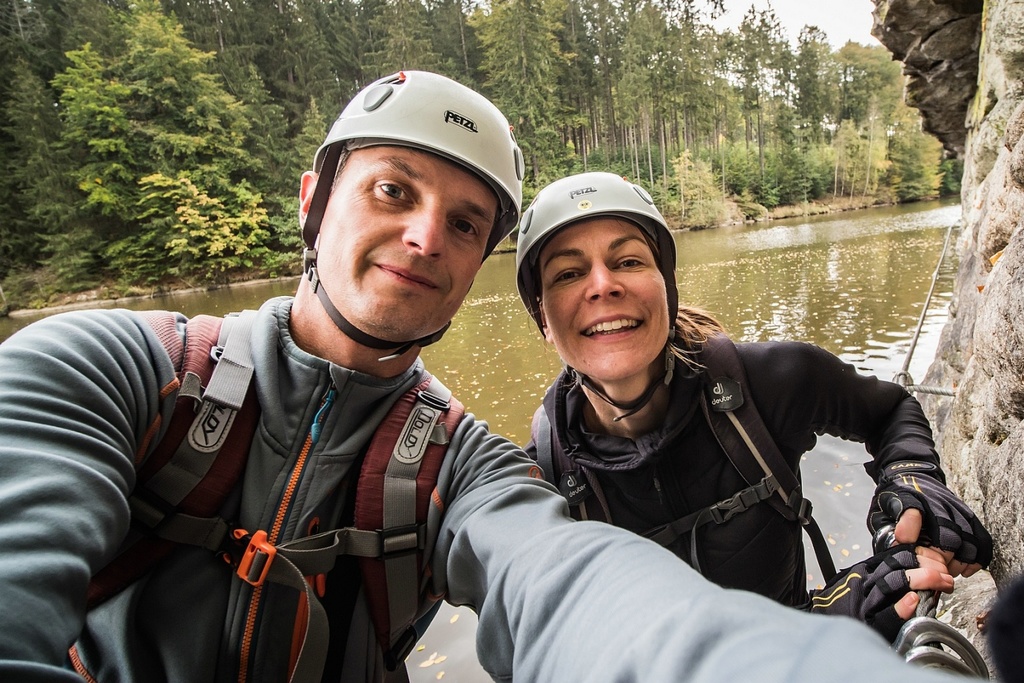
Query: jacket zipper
[[275, 530]]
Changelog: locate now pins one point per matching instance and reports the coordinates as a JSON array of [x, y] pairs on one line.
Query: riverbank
[[735, 215], [90, 298]]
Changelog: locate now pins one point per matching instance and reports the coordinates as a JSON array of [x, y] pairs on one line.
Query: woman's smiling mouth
[[611, 326]]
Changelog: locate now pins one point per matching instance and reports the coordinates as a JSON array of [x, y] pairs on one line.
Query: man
[[418, 180]]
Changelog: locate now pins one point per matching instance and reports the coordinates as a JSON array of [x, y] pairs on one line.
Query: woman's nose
[[603, 282]]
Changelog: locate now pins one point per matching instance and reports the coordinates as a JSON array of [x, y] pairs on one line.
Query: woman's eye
[[631, 263], [391, 190]]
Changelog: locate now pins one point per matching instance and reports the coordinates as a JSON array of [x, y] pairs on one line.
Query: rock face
[[979, 117], [937, 41]]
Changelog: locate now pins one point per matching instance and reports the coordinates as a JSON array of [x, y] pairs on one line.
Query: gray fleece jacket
[[557, 600]]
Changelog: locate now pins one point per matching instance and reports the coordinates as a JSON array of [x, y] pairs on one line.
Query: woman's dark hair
[[693, 328]]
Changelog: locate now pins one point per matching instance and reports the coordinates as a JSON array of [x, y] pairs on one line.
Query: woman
[[648, 425]]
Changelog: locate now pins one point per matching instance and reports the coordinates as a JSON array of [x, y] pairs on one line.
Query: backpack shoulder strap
[[740, 430], [554, 463], [183, 483], [540, 432], [396, 481]]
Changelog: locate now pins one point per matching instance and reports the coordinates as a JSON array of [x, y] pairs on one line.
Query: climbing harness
[[903, 377]]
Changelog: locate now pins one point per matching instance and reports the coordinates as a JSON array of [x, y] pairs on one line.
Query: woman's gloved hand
[[945, 521], [881, 590]]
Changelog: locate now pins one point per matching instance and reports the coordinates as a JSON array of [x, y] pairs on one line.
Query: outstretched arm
[[77, 396], [564, 600]]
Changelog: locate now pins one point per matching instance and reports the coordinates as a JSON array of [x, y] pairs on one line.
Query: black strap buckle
[[722, 511], [396, 654], [803, 509], [433, 400]]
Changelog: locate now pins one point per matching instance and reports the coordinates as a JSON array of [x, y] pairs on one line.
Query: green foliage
[[952, 171], [188, 231], [144, 141], [149, 113], [700, 200], [914, 156], [521, 58]]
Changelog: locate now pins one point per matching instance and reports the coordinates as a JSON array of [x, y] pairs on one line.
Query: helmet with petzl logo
[[584, 197], [433, 113], [428, 112]]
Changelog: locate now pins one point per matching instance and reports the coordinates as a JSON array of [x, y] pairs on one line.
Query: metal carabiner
[[921, 641]]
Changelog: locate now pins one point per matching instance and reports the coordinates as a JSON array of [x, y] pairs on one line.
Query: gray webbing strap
[[400, 529], [221, 401], [231, 377]]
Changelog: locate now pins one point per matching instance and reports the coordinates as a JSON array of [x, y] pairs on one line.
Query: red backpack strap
[[155, 519], [398, 476]]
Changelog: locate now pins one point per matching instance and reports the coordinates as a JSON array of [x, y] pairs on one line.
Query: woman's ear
[[544, 324]]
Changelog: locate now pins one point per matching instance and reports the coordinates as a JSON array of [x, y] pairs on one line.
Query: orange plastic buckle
[[256, 559]]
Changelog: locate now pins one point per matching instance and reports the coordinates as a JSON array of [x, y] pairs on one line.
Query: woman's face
[[603, 303]]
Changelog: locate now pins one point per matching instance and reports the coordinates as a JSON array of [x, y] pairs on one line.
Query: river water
[[854, 283]]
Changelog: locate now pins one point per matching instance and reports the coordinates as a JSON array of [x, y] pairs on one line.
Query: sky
[[841, 20]]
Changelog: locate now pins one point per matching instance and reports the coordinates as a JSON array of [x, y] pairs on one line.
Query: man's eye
[[465, 226], [391, 190]]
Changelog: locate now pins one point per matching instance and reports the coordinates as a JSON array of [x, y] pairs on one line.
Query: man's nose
[[426, 231]]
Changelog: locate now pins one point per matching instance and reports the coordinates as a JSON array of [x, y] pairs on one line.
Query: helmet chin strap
[[358, 335], [637, 404]]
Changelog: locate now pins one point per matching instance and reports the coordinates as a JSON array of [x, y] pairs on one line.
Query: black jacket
[[801, 391]]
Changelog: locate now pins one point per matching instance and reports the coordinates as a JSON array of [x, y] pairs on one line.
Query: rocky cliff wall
[[965, 65]]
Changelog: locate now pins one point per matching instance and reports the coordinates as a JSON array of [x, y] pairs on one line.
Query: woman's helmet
[[583, 197], [432, 113]]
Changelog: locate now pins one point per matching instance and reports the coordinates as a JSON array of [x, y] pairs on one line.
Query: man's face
[[402, 238]]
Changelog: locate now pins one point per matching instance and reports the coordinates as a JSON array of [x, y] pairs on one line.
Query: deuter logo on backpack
[[724, 394]]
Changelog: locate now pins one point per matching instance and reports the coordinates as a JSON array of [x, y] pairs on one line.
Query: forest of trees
[[157, 142]]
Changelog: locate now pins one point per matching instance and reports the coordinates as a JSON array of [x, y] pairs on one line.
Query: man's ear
[[306, 189]]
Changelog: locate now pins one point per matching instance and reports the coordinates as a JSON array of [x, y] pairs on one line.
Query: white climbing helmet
[[433, 113]]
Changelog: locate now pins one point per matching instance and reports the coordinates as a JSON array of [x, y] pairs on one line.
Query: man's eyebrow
[[469, 206], [400, 165]]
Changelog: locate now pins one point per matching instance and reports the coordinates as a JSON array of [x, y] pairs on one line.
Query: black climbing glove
[[948, 523], [869, 590]]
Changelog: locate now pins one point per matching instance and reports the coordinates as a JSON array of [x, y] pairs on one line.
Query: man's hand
[[880, 591], [925, 512]]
